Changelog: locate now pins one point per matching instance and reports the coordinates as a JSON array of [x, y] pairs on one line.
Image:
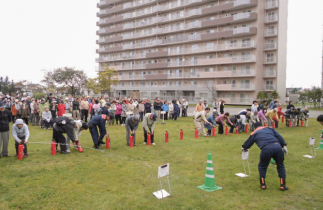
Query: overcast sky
[[42, 34]]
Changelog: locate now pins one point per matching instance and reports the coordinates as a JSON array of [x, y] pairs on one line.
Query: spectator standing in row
[[84, 106], [199, 107], [165, 109], [215, 104], [24, 111], [112, 111], [76, 109], [5, 119], [176, 109], [185, 107], [15, 110], [118, 113], [36, 112], [124, 112], [31, 115], [148, 106], [142, 110], [53, 109], [157, 107], [222, 106]]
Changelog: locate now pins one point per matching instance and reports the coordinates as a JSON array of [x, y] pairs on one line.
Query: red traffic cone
[[246, 129], [20, 151], [181, 135], [213, 131], [283, 119], [131, 141], [302, 123], [226, 130], [53, 148], [237, 130], [107, 143], [148, 139], [196, 133], [166, 136]]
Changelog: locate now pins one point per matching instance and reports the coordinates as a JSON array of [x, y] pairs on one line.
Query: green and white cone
[[209, 183]]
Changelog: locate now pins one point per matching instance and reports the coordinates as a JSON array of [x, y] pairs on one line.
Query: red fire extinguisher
[[302, 123], [283, 119], [107, 143], [274, 125], [166, 136], [246, 128], [237, 130], [20, 151], [196, 134], [148, 139], [226, 130], [53, 148], [181, 134], [79, 147], [131, 140]]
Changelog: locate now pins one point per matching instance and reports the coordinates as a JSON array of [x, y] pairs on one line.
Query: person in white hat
[[20, 133]]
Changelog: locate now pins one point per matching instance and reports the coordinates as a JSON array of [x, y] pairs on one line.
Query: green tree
[[92, 85], [274, 94], [69, 77], [106, 79], [48, 81], [260, 95]]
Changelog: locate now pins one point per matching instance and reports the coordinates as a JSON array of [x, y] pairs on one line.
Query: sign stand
[[312, 148], [163, 113], [245, 158], [162, 172]]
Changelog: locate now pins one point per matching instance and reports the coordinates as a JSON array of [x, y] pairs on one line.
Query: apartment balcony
[[182, 39], [235, 87], [270, 32], [270, 60], [157, 65], [132, 77], [104, 31], [137, 4], [157, 54], [109, 49], [232, 19], [105, 3], [271, 19], [107, 21], [106, 12], [238, 4], [236, 46], [156, 76], [269, 74], [269, 87], [271, 5], [109, 40], [160, 87], [228, 74], [270, 46]]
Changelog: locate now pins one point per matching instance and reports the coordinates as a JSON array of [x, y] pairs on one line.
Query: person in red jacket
[[279, 113], [61, 109]]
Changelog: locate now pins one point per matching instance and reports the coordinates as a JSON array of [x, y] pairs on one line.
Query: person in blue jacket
[[165, 108], [176, 109], [272, 145], [98, 122], [211, 119]]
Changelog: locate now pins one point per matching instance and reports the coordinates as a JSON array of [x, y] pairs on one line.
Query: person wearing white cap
[[20, 133], [5, 119], [271, 116]]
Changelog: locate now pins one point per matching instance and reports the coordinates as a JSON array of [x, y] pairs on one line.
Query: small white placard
[[162, 112], [242, 175], [163, 170], [245, 155], [161, 194], [308, 156], [312, 141]]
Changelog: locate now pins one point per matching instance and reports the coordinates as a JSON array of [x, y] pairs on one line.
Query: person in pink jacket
[[118, 112], [261, 116]]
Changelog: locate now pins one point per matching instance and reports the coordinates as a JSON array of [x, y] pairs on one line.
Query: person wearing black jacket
[[157, 107], [53, 109], [64, 125], [76, 109], [5, 119], [272, 145], [147, 106]]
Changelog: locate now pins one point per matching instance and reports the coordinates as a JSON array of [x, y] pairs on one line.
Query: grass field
[[125, 178]]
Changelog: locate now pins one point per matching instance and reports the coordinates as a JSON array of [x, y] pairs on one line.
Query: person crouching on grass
[[200, 120], [211, 119], [20, 133]]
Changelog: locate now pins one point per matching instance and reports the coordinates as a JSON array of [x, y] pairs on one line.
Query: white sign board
[[312, 141], [163, 170], [245, 155], [162, 112]]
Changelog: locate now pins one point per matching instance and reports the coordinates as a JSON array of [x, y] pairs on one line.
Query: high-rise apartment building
[[195, 49]]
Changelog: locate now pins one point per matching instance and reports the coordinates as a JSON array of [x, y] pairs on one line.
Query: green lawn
[[125, 178]]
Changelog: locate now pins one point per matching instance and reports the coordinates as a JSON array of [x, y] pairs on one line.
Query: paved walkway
[[233, 111]]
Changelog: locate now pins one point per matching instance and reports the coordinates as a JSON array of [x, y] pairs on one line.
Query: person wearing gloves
[[20, 133], [148, 125], [272, 145], [5, 119], [200, 120], [98, 122], [221, 121], [47, 118], [64, 125], [78, 128], [132, 123], [271, 116], [211, 119]]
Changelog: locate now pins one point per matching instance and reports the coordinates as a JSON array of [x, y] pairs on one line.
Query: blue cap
[[108, 104], [154, 117]]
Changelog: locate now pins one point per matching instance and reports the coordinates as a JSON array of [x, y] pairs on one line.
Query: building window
[[208, 69]]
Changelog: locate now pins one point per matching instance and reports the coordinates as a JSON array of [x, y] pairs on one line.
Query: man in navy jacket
[[272, 145], [98, 122]]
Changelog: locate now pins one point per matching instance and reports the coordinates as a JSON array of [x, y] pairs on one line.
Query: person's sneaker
[[101, 142], [134, 144], [97, 147], [25, 155], [153, 143], [145, 143], [65, 152], [128, 144], [6, 155]]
